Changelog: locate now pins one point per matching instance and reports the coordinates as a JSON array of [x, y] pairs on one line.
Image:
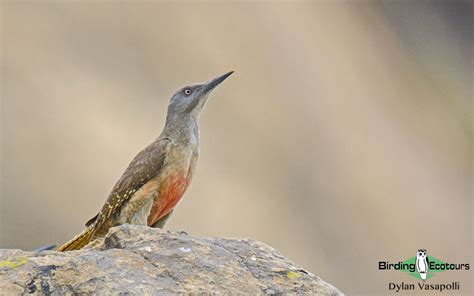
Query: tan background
[[342, 139]]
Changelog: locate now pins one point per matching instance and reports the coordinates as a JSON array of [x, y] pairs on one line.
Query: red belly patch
[[170, 194]]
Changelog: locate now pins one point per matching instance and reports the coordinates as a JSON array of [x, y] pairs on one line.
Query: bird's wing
[[91, 220], [142, 169]]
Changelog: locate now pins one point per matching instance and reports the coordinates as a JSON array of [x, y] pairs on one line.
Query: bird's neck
[[183, 129]]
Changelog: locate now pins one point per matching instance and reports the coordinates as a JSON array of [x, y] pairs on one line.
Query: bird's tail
[[423, 275], [78, 241]]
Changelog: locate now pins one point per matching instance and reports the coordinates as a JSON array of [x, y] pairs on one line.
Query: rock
[[146, 261]]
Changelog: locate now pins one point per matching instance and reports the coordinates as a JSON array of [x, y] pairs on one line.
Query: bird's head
[[421, 253], [191, 99]]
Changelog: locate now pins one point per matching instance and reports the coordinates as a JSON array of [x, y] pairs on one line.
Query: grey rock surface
[[140, 260]]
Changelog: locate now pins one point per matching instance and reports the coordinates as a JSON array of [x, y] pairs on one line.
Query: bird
[[422, 263], [158, 176]]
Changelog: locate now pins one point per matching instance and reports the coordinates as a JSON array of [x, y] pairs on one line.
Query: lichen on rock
[[148, 261]]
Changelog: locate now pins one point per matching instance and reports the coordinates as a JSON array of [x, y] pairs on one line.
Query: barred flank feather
[[78, 241]]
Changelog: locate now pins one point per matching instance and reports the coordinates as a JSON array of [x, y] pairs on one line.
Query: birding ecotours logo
[[422, 266]]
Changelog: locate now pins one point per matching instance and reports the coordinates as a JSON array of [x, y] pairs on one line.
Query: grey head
[[188, 101]]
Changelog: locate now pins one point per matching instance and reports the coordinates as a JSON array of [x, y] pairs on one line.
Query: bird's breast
[[174, 179]]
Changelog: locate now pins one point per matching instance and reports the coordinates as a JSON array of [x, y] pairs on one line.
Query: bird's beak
[[209, 86]]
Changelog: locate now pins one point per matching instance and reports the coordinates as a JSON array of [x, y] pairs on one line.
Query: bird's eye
[[187, 91]]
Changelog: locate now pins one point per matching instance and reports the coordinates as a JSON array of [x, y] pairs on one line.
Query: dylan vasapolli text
[[454, 286]]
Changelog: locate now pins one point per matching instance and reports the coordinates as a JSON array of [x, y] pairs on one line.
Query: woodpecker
[[157, 178]]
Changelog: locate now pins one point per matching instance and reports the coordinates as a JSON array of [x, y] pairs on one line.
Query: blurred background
[[342, 139]]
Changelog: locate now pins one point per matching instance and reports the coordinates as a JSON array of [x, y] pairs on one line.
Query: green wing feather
[[144, 167]]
